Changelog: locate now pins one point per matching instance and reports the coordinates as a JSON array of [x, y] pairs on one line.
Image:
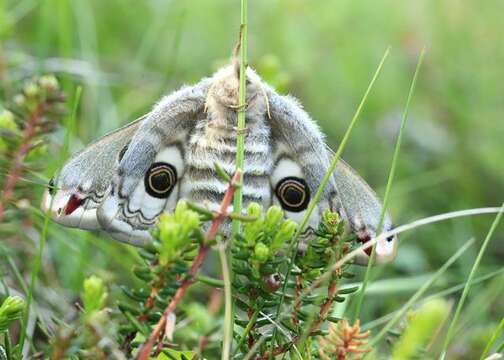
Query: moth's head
[[226, 87], [385, 250], [75, 194]]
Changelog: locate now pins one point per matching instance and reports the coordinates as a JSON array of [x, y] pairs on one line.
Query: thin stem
[[382, 320], [493, 339], [400, 229], [249, 327], [29, 134], [242, 111], [228, 304], [16, 168], [145, 351], [467, 287], [419, 293], [325, 180], [240, 160], [395, 157]]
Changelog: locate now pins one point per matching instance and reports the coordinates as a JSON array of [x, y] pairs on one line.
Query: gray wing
[[130, 209], [363, 208], [87, 176], [299, 151]]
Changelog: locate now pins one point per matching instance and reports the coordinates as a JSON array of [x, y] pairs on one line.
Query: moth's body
[[145, 168], [213, 141]]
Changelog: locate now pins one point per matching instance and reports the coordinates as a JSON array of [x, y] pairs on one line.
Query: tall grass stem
[[467, 287], [43, 236], [388, 188], [419, 293], [325, 180]]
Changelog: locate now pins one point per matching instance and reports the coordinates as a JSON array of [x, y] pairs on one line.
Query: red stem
[[16, 168], [219, 217]]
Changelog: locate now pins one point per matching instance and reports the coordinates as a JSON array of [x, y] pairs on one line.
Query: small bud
[[273, 217], [7, 121], [272, 282], [174, 232], [285, 233], [94, 294], [252, 229], [331, 220], [254, 209], [31, 89], [261, 252], [11, 310], [23, 204], [19, 100], [49, 83]]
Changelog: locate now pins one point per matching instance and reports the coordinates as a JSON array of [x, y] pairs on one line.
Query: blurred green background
[[127, 54]]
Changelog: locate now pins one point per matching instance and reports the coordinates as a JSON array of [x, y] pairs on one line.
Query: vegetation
[[72, 70]]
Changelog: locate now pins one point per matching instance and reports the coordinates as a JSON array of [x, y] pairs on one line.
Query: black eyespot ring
[[160, 180], [50, 186], [293, 194]]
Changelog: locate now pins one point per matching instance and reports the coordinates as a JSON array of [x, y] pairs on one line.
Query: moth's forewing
[[363, 208], [85, 178], [147, 179]]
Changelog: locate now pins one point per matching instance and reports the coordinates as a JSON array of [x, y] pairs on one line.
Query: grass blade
[[43, 236], [493, 339], [382, 320], [325, 180], [467, 287], [367, 276], [419, 293]]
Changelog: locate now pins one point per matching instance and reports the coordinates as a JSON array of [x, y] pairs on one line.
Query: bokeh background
[[127, 54]]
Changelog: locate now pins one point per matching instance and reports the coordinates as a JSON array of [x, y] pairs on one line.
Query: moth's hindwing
[[363, 209]]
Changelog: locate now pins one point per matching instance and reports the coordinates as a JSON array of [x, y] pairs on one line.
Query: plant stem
[[395, 157], [228, 304], [240, 159], [145, 351], [242, 111], [400, 229], [249, 327], [325, 180], [16, 169], [468, 284], [493, 339]]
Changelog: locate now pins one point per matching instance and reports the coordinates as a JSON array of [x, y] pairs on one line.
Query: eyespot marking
[[160, 180], [293, 194]]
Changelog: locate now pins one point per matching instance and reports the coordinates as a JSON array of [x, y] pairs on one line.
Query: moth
[[122, 182]]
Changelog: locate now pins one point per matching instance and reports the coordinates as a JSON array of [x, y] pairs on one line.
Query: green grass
[[125, 55], [392, 322], [467, 287], [388, 188]]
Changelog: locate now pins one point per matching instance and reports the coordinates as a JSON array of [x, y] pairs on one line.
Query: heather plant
[[263, 292]]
